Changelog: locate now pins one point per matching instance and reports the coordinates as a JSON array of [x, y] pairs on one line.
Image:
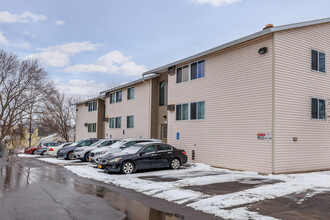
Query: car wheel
[[175, 163], [86, 157], [127, 167], [34, 152], [43, 153], [70, 156]]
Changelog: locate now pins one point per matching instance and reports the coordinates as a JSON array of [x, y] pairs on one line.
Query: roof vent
[[268, 26]]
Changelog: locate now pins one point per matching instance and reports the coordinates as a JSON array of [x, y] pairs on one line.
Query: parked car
[[52, 151], [116, 148], [44, 146], [67, 152], [143, 156], [30, 150], [82, 153]]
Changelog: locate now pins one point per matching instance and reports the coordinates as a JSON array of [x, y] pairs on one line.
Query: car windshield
[[95, 143], [76, 143], [118, 144], [132, 149]]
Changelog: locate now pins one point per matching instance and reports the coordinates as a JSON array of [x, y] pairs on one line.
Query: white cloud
[[112, 62], [6, 17], [59, 55], [21, 44], [3, 39], [214, 3], [27, 33], [84, 88], [59, 22]]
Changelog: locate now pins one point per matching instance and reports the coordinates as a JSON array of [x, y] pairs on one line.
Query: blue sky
[[87, 45]]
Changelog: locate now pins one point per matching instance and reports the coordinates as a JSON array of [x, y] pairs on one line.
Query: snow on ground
[[27, 155], [225, 205]]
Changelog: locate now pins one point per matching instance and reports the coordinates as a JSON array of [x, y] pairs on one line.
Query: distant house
[[259, 103]]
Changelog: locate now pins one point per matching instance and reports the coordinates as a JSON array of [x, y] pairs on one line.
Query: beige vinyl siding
[[295, 84], [237, 90], [139, 107], [84, 116]]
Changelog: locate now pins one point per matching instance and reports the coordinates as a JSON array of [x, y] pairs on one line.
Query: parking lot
[[223, 193]]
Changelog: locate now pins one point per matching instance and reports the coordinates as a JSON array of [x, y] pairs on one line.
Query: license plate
[[100, 166]]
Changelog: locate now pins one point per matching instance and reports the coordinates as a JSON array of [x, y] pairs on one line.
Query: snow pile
[[59, 161], [27, 155]]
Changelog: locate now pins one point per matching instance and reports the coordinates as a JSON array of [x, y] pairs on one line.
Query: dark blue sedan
[[142, 156]]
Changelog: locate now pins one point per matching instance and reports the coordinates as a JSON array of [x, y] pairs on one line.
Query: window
[[130, 93], [119, 96], [178, 112], [182, 112], [92, 127], [130, 121], [118, 122], [318, 61], [112, 123], [92, 106], [195, 70], [196, 111], [163, 147], [112, 98], [115, 122], [149, 149], [318, 108], [179, 75], [162, 93]]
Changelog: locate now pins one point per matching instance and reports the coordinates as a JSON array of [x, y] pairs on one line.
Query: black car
[[67, 152], [142, 156]]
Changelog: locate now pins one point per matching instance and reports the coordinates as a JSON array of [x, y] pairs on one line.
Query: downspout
[[273, 104]]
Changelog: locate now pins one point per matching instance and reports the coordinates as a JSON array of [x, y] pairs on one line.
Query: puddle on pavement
[[231, 187], [20, 174], [295, 206], [159, 178]]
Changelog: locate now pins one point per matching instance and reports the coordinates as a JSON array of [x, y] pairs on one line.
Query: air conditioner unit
[[85, 124], [171, 70], [170, 107], [107, 94], [86, 103]]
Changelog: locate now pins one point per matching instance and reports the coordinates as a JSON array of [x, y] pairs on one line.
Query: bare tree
[[58, 114], [21, 83]]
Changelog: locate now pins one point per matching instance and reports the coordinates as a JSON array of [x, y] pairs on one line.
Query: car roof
[[141, 139]]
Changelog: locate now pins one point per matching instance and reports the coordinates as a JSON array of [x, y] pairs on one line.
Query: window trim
[[115, 122], [318, 61], [129, 89], [115, 94], [91, 106], [189, 111], [127, 121], [318, 110], [189, 71], [90, 128]]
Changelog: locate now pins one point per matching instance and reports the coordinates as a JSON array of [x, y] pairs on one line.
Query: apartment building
[[90, 118], [259, 103], [134, 110]]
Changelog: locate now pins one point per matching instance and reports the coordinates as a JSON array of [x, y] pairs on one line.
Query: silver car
[[116, 147], [82, 153]]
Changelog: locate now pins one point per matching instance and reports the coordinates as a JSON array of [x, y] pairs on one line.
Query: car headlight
[[115, 160]]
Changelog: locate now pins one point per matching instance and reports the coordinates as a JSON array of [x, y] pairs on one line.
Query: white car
[[82, 153], [52, 151], [116, 148]]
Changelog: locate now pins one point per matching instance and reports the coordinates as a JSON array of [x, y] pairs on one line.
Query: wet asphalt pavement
[[32, 189]]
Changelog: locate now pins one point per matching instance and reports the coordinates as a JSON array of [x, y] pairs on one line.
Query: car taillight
[[51, 149], [184, 152]]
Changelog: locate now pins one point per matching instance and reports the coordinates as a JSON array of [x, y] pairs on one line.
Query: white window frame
[[189, 71], [318, 61], [318, 110], [189, 112]]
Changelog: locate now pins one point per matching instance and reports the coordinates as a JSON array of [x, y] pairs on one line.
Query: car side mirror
[[141, 153]]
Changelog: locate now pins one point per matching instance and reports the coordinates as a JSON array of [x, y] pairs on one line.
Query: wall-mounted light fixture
[[263, 50]]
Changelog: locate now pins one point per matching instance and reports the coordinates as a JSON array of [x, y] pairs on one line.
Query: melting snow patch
[[27, 155]]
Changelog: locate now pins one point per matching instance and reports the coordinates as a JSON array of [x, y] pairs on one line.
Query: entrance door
[[163, 133]]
